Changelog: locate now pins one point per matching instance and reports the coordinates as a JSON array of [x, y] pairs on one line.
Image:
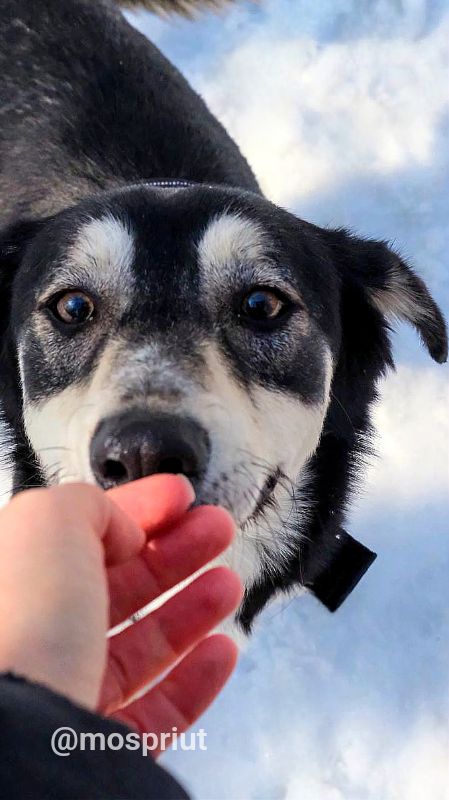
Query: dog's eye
[[73, 308], [263, 305]]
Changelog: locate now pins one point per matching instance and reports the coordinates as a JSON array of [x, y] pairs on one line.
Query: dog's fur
[[92, 114]]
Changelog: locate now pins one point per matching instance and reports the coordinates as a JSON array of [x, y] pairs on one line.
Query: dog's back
[[89, 104]]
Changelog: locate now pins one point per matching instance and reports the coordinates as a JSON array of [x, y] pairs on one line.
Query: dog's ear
[[13, 243], [391, 287]]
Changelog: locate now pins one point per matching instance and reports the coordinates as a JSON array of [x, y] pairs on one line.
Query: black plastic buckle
[[345, 563]]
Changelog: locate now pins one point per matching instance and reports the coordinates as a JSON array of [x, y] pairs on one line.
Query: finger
[[200, 536], [117, 517], [155, 501], [143, 651], [75, 510], [186, 692]]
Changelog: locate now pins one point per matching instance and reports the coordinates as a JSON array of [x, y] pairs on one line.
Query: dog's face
[[198, 331]]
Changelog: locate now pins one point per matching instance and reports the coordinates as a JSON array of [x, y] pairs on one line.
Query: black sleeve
[[30, 770]]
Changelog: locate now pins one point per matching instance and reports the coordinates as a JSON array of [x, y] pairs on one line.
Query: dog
[[159, 314]]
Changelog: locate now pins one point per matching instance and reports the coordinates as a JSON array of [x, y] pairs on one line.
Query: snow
[[341, 107]]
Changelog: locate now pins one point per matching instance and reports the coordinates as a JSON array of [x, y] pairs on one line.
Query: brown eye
[[74, 308], [263, 305]]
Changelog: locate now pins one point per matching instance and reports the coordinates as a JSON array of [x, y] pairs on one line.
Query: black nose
[[138, 443]]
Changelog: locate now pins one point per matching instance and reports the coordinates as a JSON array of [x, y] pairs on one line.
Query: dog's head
[[203, 331]]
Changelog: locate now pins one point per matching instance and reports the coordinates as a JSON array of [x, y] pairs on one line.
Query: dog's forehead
[[121, 249]]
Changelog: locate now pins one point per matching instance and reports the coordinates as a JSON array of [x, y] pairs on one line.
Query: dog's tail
[[186, 7]]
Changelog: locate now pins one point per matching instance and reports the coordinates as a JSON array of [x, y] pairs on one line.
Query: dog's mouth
[[265, 496]]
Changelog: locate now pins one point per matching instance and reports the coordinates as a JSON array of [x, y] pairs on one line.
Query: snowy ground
[[342, 109]]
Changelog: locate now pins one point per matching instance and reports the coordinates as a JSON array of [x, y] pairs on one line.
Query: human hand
[[75, 561]]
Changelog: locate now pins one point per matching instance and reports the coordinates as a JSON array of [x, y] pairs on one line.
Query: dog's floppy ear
[[14, 240], [391, 287], [13, 243]]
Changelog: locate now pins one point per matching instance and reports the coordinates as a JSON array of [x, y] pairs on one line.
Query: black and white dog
[[158, 314]]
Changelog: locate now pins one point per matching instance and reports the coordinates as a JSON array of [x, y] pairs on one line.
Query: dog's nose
[[139, 443]]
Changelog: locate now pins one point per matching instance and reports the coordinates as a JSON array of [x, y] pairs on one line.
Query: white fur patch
[[60, 427], [229, 237], [101, 256], [234, 247]]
